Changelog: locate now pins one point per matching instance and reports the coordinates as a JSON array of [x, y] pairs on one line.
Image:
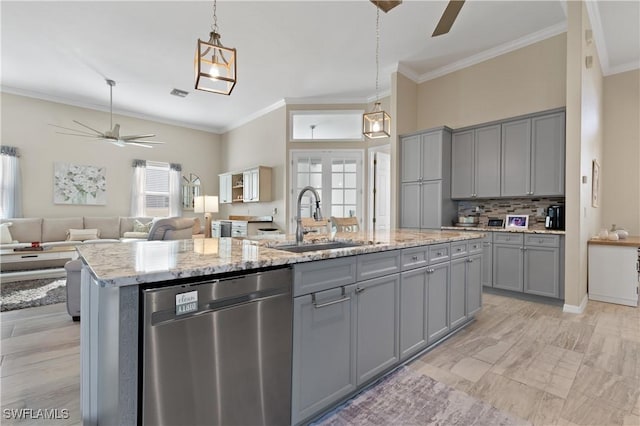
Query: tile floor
[[526, 358]]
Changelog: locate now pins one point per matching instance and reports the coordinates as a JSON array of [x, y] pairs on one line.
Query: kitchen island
[[114, 276]]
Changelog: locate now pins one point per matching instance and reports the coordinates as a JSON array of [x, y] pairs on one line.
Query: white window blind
[[157, 189]]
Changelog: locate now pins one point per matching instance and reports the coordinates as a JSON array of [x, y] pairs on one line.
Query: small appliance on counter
[[555, 217], [467, 221]]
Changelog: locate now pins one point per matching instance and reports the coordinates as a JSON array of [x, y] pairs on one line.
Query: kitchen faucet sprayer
[[317, 215]]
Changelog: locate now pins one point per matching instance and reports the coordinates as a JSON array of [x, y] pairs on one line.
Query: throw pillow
[[141, 227], [5, 235], [136, 235], [82, 234]]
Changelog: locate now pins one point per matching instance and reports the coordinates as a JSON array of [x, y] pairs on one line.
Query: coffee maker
[[555, 217]]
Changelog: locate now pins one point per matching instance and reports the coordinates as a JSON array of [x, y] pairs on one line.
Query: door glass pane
[[337, 180], [350, 196], [303, 180], [316, 165], [350, 166], [337, 166], [350, 210], [316, 180], [337, 196], [303, 165], [337, 211], [350, 180]]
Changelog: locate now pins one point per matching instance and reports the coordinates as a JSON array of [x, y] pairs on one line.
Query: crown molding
[[598, 35], [630, 66], [407, 72], [495, 52], [255, 115], [101, 108], [381, 95], [325, 101]]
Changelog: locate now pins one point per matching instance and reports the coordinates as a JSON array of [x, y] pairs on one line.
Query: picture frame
[[595, 183], [517, 221]]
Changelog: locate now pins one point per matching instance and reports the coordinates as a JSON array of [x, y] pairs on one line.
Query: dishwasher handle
[[342, 299]]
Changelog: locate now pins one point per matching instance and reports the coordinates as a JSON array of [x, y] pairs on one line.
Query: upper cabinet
[[422, 157], [533, 156], [521, 157], [476, 163], [249, 186]]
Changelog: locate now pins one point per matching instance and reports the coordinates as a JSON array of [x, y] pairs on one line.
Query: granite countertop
[[498, 229], [121, 264], [630, 241]]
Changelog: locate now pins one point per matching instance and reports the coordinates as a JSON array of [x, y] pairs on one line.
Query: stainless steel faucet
[[317, 215]]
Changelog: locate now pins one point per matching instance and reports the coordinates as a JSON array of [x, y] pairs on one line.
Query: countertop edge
[[496, 229], [631, 241]]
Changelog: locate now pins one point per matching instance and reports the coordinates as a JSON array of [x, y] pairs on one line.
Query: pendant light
[[377, 123], [215, 65]]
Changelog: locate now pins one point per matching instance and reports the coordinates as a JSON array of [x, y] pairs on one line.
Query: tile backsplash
[[500, 207]]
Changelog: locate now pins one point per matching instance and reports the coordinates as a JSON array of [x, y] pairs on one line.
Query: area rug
[[26, 294], [406, 397]]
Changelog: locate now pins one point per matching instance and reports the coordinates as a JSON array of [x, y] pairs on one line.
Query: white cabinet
[[614, 273], [256, 185], [225, 189]]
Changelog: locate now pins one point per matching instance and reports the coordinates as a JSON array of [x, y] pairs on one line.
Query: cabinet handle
[[344, 298], [469, 260], [360, 290], [431, 270], [414, 258], [458, 249], [439, 253], [486, 244]]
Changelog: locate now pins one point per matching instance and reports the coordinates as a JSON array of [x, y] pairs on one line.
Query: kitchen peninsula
[[397, 292]]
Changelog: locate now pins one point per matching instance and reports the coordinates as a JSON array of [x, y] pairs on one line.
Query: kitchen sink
[[294, 248]]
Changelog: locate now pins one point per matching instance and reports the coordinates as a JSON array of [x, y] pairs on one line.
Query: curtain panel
[[11, 183], [138, 184]]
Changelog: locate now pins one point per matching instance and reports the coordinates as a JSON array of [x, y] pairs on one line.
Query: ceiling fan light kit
[[377, 123], [113, 134], [215, 64]]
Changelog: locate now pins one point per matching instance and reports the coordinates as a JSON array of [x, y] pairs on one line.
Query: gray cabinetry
[[378, 326], [487, 260], [474, 285], [548, 154], [507, 261], [438, 301], [516, 158], [324, 350], [542, 265], [425, 200], [457, 293], [413, 311], [476, 163]]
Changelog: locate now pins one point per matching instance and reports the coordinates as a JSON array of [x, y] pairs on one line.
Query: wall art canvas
[[78, 184], [595, 183]]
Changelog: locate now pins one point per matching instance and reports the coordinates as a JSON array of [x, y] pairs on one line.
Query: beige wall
[[25, 124], [526, 80], [260, 142], [584, 144], [621, 158]]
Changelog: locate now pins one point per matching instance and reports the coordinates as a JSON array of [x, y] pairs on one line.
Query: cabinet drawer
[[439, 253], [475, 246], [415, 257], [458, 249], [322, 275], [508, 238], [377, 264], [542, 240]]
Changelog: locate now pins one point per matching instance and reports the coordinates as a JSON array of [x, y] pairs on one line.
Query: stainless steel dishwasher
[[218, 352]]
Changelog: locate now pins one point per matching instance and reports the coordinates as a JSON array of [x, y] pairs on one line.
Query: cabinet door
[[547, 154], [431, 204], [254, 189], [438, 301], [507, 266], [411, 157], [225, 189], [410, 205], [462, 164], [324, 337], [432, 156], [542, 271], [487, 261], [413, 312], [516, 158], [474, 285], [378, 326], [246, 186], [458, 293], [487, 162]]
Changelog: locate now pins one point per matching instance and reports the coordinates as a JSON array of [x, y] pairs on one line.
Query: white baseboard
[[616, 300], [573, 309]]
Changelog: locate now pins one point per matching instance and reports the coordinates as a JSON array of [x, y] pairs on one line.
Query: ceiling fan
[[112, 135], [446, 20]]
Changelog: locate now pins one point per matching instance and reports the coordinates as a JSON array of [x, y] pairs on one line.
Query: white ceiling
[[301, 51]]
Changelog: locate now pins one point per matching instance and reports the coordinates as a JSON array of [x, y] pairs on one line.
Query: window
[[156, 192], [336, 175], [340, 125], [10, 184], [156, 189]]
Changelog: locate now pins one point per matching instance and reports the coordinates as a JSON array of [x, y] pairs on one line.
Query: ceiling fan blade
[[386, 5], [130, 137], [90, 128], [82, 136], [448, 17], [73, 130], [118, 143], [144, 145]]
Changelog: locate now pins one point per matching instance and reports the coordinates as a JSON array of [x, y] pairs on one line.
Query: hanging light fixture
[[215, 65], [377, 123]]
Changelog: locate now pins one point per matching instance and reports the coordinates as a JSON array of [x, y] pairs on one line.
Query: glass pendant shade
[[215, 66], [377, 123]]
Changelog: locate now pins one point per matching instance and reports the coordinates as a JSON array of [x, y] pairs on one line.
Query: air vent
[[180, 93]]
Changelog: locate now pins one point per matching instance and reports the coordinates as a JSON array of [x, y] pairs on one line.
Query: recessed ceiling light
[[180, 93]]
